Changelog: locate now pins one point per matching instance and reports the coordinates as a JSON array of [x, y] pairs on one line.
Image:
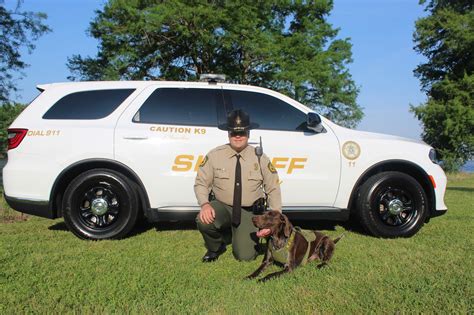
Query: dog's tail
[[339, 238]]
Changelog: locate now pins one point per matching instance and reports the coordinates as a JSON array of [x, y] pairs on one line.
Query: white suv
[[100, 154]]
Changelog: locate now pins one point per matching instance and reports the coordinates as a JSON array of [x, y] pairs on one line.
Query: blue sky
[[380, 32]]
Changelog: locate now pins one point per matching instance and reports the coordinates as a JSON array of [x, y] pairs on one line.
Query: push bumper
[[33, 207]]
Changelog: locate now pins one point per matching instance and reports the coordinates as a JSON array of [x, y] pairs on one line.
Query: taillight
[[15, 136]]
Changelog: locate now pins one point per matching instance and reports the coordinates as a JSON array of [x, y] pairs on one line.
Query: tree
[[287, 46], [18, 29], [446, 39]]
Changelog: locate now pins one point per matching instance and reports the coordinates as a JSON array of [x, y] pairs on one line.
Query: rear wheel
[[392, 204], [100, 204]]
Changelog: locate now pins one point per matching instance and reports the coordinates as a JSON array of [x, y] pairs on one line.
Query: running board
[[294, 213]]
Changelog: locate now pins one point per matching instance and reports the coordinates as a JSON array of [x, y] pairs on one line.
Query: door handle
[[135, 137]]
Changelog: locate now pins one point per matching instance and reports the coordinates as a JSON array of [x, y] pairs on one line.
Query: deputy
[[239, 182]]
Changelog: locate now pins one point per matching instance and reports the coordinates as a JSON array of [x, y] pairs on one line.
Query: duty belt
[[251, 208]]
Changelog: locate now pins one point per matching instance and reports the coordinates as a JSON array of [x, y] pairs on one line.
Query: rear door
[[164, 135]]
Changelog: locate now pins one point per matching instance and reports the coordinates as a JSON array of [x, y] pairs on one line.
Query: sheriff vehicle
[[101, 154]]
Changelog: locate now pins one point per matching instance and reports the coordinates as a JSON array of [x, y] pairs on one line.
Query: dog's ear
[[287, 225]]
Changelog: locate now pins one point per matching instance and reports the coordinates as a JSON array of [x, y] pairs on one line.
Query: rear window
[[177, 106], [88, 104]]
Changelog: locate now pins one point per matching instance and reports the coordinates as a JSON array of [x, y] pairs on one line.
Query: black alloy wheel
[[100, 204], [392, 204], [396, 207]]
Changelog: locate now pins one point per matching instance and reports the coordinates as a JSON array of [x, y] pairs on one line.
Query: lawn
[[45, 269]]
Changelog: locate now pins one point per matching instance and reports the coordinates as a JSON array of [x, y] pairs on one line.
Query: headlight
[[432, 156]]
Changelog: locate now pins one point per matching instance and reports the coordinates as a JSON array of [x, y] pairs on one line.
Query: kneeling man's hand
[[207, 214]]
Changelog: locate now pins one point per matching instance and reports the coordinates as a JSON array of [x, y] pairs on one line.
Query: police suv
[[101, 154]]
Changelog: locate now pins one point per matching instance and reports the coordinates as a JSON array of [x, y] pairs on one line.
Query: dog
[[291, 246]]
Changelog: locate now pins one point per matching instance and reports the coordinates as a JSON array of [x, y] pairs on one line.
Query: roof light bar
[[212, 78]]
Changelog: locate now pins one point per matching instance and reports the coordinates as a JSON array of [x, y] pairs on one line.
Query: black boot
[[212, 256]]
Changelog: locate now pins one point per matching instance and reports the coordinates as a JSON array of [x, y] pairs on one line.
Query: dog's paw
[[322, 265]]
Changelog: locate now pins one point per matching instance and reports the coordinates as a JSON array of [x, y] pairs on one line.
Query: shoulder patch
[[271, 168], [204, 161]]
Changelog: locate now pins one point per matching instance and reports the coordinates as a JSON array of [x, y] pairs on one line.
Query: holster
[[211, 196]]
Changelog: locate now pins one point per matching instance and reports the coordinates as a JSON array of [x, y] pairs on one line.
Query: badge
[[255, 166], [351, 150], [204, 161], [271, 168]]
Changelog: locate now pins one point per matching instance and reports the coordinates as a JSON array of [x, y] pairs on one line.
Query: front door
[[308, 163]]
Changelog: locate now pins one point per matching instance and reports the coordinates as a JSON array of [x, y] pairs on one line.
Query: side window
[[269, 112], [180, 107], [88, 104]]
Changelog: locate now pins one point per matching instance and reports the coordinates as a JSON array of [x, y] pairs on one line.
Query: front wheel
[[392, 204], [100, 204]]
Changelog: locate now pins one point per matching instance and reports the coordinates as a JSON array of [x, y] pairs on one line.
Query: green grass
[[44, 269], [8, 215]]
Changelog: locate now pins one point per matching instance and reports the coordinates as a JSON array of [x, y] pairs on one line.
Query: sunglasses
[[238, 133]]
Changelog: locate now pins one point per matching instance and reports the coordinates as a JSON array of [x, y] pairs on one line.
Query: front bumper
[[437, 213], [439, 191], [33, 207]]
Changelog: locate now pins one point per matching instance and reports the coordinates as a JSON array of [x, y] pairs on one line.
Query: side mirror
[[313, 122]]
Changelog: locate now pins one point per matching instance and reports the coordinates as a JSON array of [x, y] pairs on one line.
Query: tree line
[[446, 38], [287, 46]]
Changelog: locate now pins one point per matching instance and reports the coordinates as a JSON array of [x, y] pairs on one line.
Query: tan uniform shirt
[[217, 173]]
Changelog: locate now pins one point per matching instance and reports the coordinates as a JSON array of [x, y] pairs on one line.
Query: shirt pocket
[[255, 175], [221, 173]]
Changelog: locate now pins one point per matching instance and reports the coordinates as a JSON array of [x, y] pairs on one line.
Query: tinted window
[[269, 112], [180, 107], [87, 104]]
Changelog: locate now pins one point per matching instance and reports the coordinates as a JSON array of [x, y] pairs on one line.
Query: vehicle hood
[[383, 137]]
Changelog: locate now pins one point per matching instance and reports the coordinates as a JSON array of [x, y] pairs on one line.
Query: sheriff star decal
[[351, 150]]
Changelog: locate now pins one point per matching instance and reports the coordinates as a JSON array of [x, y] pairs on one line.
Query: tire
[[392, 204], [100, 204]]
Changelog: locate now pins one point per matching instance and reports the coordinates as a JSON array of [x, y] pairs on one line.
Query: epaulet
[[219, 148]]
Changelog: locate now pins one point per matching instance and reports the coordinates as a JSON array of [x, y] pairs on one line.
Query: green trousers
[[243, 238]]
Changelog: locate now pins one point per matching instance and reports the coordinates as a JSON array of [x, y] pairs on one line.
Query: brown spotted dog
[[291, 246]]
